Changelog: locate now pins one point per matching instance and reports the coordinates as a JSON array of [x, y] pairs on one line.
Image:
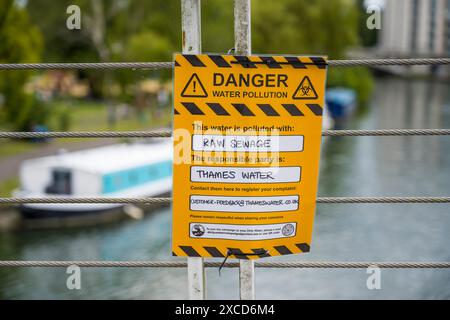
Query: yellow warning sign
[[247, 135]]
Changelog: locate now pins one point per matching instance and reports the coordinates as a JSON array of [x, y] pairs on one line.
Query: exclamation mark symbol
[[195, 82]]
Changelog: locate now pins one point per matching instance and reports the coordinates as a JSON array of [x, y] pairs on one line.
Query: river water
[[350, 166]]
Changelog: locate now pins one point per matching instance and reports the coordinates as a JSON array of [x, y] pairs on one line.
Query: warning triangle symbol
[[194, 88], [305, 90]]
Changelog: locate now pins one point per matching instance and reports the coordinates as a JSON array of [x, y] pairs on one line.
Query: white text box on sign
[[233, 143], [244, 204], [245, 174]]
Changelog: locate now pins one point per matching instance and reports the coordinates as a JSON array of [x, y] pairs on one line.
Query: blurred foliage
[[20, 42], [111, 30], [150, 30], [139, 30], [359, 79], [368, 37], [145, 44], [305, 27], [8, 186], [217, 26], [313, 27]]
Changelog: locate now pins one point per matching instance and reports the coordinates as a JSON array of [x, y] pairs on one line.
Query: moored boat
[[121, 170], [341, 102]]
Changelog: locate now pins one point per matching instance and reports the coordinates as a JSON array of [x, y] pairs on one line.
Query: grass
[[7, 186], [11, 148], [87, 116], [93, 116]]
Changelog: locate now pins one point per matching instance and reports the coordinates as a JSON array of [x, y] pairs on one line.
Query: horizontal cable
[[166, 65], [183, 264], [168, 133], [383, 200], [387, 132], [87, 65], [89, 134], [169, 200], [388, 62]]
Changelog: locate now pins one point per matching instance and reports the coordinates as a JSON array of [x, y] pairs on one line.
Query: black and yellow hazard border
[[215, 252], [246, 110], [271, 62]]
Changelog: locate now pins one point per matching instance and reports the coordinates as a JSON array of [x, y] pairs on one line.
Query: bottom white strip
[[242, 232]]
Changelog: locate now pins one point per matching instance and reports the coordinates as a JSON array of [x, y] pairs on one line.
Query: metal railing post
[[191, 44], [191, 26], [243, 46], [242, 28], [247, 279]]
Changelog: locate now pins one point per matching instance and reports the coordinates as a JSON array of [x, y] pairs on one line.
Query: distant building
[[415, 28]]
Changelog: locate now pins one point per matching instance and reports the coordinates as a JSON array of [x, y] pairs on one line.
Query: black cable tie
[[242, 254], [224, 260]]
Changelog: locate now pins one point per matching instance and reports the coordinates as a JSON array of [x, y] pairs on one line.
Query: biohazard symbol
[[194, 88], [305, 90]]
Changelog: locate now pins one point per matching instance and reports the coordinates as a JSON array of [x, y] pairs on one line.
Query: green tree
[[21, 42], [328, 27], [111, 30], [217, 26], [143, 30], [303, 26]]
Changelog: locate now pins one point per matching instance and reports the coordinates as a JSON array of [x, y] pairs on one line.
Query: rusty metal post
[[243, 46], [191, 37]]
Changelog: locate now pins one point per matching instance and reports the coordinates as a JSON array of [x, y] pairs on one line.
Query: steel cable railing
[[155, 201], [167, 133], [210, 264]]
